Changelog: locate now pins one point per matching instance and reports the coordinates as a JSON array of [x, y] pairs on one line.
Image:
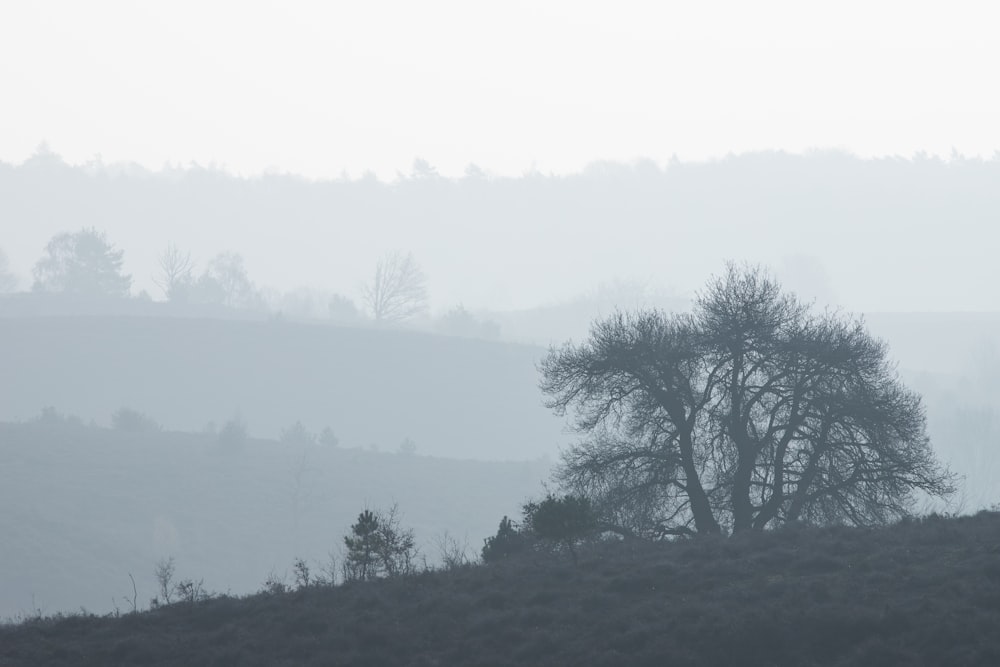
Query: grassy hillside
[[917, 593], [83, 507], [454, 397]]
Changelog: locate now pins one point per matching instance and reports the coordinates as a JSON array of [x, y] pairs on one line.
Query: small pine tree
[[378, 545], [362, 547]]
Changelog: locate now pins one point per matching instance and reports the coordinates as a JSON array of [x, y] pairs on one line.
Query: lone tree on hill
[[176, 273], [398, 290], [84, 263], [749, 412]]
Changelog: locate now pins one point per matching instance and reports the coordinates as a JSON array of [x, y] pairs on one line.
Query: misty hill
[[83, 507], [451, 396], [894, 234], [917, 593]]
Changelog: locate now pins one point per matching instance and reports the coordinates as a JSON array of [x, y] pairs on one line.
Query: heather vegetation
[[918, 592], [231, 509]]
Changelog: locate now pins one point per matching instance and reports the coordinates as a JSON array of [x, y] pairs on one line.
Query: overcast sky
[[321, 87]]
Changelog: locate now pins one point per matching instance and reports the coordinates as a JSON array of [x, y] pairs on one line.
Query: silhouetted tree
[[398, 289], [378, 546], [82, 262], [227, 283], [176, 273], [423, 169], [749, 412], [362, 546]]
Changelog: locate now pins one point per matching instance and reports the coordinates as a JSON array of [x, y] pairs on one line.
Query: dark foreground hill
[[917, 593]]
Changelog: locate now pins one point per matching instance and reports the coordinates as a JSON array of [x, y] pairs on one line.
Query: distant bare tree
[[176, 270], [398, 290]]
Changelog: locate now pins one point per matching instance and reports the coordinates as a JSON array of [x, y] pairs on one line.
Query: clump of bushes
[[296, 434], [554, 523], [132, 421], [233, 434]]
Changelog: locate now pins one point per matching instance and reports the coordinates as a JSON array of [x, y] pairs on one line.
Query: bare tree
[[747, 413], [398, 290], [164, 573], [176, 272]]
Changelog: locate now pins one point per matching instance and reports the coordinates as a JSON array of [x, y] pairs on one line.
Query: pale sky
[[317, 88]]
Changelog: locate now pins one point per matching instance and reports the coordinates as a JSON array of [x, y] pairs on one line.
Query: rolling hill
[[84, 507], [919, 593], [453, 397]]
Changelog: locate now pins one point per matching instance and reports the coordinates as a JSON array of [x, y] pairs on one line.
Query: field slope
[[454, 397], [917, 593], [84, 507]]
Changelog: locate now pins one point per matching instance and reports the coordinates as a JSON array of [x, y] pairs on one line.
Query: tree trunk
[[701, 509], [746, 456]]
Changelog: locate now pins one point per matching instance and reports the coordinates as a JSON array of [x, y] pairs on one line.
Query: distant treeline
[[867, 228]]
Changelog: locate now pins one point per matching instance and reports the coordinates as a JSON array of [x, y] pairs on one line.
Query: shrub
[[303, 576], [164, 573], [296, 434], [191, 591], [564, 521], [133, 421], [233, 435], [49, 416], [328, 438], [454, 554], [407, 447], [274, 584], [508, 542]]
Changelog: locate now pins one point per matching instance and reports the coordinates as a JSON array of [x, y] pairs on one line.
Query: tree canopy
[[82, 262], [751, 411]]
